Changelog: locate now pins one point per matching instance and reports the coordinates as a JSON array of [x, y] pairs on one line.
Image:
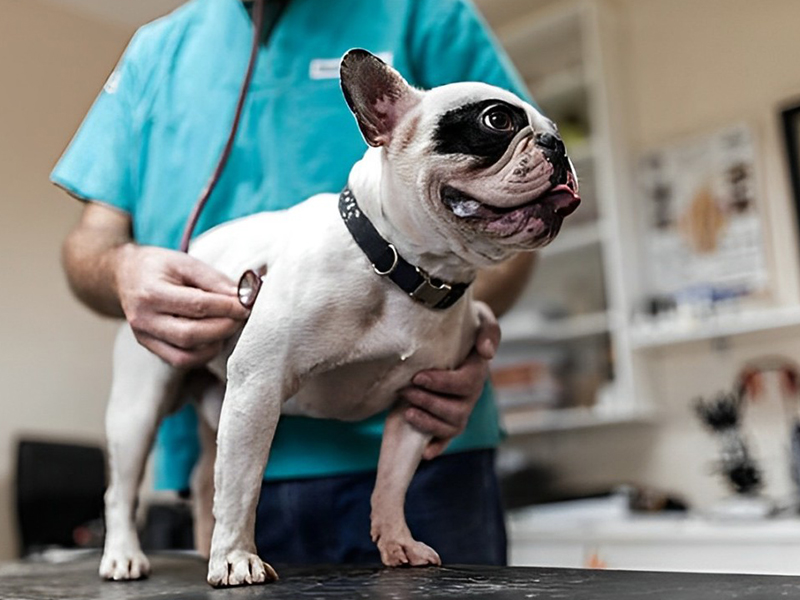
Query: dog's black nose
[[547, 140]]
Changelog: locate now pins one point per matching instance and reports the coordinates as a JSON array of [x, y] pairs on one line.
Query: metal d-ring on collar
[[387, 262], [393, 266]]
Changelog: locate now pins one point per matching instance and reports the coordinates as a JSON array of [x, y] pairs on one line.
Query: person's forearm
[[89, 256], [500, 286]]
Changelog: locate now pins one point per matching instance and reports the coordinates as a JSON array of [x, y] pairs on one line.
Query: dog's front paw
[[398, 552], [239, 568], [124, 566]]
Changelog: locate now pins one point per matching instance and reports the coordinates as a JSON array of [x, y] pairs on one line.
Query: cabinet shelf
[[669, 333], [529, 327], [545, 420], [537, 43], [556, 48], [560, 86], [540, 29]]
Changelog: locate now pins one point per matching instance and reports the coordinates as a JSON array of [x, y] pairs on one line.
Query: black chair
[[60, 489], [168, 526]]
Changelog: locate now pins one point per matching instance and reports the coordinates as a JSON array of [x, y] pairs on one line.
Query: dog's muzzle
[[525, 195]]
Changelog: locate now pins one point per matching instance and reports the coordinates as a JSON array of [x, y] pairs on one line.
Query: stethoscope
[[250, 281]]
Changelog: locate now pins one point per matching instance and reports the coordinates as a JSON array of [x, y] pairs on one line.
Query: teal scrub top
[[155, 132]]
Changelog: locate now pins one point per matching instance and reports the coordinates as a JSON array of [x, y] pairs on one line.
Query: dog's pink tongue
[[564, 199]]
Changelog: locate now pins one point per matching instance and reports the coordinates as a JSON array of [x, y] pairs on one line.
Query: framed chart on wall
[[703, 227]]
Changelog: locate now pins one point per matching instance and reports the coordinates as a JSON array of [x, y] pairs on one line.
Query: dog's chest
[[349, 339], [384, 361]]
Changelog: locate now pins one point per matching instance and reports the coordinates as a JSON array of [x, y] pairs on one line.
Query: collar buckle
[[430, 291]]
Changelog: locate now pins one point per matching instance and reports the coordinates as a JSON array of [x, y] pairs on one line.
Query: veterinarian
[[141, 157]]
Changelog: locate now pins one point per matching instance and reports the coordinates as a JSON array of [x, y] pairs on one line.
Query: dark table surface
[[183, 577]]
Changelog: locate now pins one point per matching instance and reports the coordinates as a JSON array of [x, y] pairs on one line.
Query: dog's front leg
[[401, 452], [247, 424]]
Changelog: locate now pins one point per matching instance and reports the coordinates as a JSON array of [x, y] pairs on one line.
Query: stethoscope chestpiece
[[249, 286]]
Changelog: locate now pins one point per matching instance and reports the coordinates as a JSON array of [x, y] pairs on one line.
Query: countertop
[[181, 576]]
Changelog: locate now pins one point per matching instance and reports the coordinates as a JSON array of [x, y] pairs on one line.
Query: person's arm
[[441, 401], [500, 286], [178, 307], [88, 255]]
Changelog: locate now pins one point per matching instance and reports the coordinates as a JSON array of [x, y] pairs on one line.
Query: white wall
[[54, 356]]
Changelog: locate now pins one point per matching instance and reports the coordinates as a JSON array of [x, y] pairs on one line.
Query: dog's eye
[[498, 118]]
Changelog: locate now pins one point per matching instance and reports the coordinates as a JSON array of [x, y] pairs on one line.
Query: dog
[[359, 296]]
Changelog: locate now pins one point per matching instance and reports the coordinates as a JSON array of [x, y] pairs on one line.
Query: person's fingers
[[178, 357], [450, 410], [196, 273], [430, 424], [463, 381], [435, 448], [188, 334], [196, 303], [155, 280]]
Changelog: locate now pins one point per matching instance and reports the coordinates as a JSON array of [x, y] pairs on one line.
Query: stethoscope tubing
[[194, 216]]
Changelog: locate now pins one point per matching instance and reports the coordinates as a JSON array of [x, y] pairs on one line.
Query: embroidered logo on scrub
[[328, 68]]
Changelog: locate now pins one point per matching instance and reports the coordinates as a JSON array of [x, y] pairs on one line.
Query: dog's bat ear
[[376, 93]]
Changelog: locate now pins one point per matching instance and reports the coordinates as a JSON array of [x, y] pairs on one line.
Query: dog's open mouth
[[555, 204]]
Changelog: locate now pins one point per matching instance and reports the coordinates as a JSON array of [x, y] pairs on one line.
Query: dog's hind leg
[[209, 407], [142, 391], [401, 452], [203, 490]]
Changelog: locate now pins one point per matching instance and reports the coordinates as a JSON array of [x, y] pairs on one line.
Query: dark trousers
[[453, 505]]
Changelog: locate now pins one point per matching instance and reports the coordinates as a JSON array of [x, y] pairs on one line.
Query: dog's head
[[491, 172]]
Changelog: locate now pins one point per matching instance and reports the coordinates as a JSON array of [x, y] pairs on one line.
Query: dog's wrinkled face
[[493, 172], [504, 170]]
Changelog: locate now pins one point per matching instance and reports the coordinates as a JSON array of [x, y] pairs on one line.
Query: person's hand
[[179, 308], [441, 401]]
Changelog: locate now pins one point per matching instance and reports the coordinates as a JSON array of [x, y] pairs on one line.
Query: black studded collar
[[387, 262]]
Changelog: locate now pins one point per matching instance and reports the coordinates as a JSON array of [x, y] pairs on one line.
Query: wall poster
[[703, 226]]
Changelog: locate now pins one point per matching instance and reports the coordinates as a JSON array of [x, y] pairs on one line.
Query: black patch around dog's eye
[[469, 129]]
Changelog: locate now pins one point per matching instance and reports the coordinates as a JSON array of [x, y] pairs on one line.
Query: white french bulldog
[[360, 295]]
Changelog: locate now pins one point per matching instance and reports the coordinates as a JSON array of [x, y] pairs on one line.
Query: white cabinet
[[657, 544], [564, 361]]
